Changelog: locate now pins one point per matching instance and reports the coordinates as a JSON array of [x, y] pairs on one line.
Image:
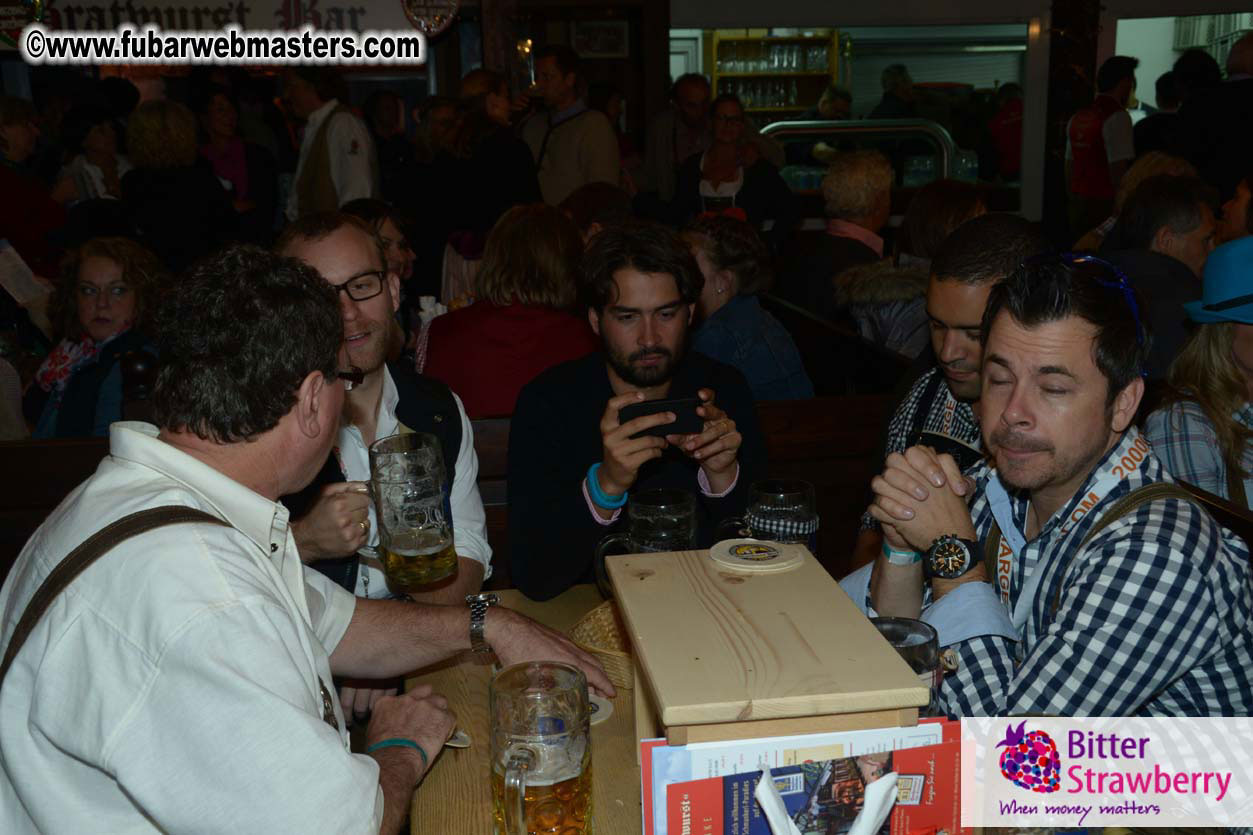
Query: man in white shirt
[[179, 682], [334, 521], [338, 162]]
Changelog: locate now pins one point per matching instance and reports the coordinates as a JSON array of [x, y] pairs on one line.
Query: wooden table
[[456, 795]]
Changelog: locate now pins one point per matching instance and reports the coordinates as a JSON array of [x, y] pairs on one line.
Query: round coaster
[[755, 555], [600, 709]]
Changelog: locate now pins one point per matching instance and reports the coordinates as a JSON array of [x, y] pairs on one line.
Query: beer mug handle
[[520, 761], [621, 540]]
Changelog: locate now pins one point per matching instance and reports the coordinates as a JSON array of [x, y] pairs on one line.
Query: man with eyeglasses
[[180, 682], [1112, 593], [334, 521]]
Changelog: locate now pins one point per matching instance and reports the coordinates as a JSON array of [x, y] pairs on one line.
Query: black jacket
[[1164, 283], [763, 196], [423, 405], [807, 277], [555, 437]]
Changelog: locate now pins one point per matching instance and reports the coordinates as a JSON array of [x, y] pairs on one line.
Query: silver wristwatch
[[479, 604]]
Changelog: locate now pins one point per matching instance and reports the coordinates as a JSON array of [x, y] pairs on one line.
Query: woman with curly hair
[[107, 288], [1202, 430], [734, 329], [179, 207]]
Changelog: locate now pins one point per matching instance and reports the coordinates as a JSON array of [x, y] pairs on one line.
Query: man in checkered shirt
[[1151, 616], [937, 410]]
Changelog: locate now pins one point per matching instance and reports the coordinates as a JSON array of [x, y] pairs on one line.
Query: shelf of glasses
[[776, 39], [777, 74]]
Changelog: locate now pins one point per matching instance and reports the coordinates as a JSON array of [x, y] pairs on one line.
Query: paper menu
[[29, 290], [663, 764]]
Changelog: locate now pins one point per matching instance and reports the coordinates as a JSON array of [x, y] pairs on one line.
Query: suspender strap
[[96, 546], [552, 126], [1124, 506]]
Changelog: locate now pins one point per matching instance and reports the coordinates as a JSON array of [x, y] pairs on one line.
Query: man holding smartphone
[[575, 458]]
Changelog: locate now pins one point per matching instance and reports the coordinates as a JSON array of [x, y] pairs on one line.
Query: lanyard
[[1012, 543]]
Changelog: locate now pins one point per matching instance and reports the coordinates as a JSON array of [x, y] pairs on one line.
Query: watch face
[[949, 558]]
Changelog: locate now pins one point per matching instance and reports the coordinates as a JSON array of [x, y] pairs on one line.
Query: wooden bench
[[829, 441]]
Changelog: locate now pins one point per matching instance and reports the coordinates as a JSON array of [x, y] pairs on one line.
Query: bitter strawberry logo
[[1030, 759]]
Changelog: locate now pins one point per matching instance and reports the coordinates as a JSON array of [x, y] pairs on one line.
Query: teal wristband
[[398, 741], [599, 498], [900, 556]]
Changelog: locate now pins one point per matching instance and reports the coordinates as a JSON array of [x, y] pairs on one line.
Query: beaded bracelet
[[599, 498], [397, 741]]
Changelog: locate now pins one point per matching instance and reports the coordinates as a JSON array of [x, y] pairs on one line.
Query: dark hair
[[1167, 91], [237, 335], [319, 225], [734, 245], [646, 247], [688, 78], [370, 209], [599, 94], [1051, 288], [987, 248], [568, 60], [1196, 70], [723, 99], [79, 122], [601, 203], [120, 95], [326, 81], [835, 91], [1115, 70], [203, 94], [1165, 200], [936, 210]]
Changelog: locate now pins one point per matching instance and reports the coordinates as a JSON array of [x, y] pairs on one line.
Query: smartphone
[[686, 421]]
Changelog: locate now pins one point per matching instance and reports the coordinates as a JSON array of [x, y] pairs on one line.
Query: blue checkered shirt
[[1184, 439], [1153, 615]]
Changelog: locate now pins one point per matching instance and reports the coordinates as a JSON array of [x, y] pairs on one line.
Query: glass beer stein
[[779, 510], [407, 485], [541, 751], [657, 520]]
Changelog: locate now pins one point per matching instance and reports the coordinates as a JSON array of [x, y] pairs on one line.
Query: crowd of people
[[291, 288]]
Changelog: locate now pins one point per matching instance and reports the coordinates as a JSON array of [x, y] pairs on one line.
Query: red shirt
[[486, 354], [1089, 169]]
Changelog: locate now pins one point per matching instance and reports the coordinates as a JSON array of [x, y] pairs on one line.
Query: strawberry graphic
[[1030, 760]]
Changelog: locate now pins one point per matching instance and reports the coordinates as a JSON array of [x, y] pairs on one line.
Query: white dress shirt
[[349, 148], [469, 520], [175, 686]]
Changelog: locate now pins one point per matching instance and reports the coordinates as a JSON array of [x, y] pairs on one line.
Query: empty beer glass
[[657, 520], [407, 485], [779, 510], [541, 750]]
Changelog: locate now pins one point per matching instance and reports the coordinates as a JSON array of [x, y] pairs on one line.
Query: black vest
[[422, 405]]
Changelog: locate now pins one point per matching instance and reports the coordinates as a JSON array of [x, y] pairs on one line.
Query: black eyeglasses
[[362, 287], [352, 377], [1119, 282]]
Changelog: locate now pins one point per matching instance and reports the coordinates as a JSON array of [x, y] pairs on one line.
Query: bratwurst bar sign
[[189, 15]]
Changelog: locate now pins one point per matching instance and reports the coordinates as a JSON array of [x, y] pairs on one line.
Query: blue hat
[[1228, 292]]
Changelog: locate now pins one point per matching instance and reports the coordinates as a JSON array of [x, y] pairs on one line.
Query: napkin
[[772, 807], [880, 798]]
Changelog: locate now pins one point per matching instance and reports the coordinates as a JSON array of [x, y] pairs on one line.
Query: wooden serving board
[[719, 645]]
